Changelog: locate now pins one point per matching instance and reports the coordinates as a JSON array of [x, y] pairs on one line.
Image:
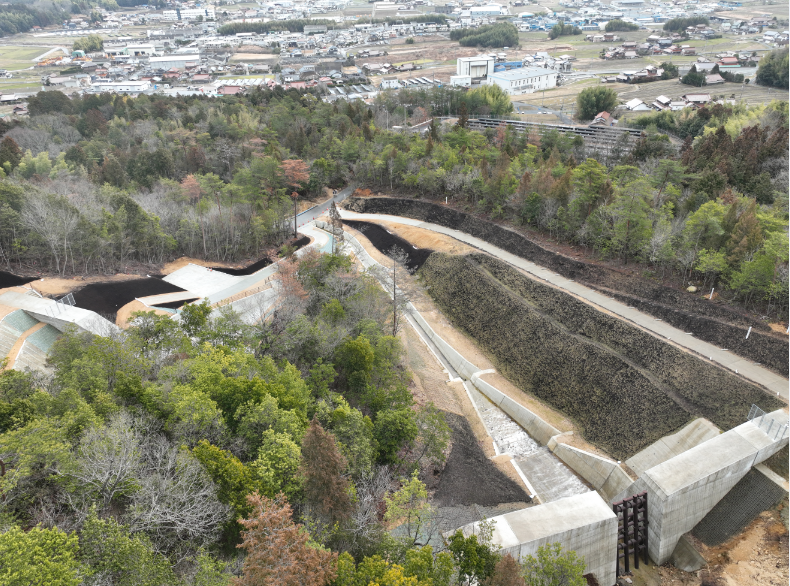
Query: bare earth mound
[[469, 477], [107, 298]]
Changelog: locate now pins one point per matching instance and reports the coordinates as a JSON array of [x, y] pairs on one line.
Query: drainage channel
[[549, 476]]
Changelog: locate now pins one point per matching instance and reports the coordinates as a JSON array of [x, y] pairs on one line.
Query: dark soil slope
[[107, 298], [715, 323], [624, 387], [262, 263], [469, 477], [384, 241], [12, 280]]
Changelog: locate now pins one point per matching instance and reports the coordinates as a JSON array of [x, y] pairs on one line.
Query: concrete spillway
[[549, 477]]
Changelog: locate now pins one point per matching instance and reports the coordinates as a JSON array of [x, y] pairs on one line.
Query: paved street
[[746, 368]]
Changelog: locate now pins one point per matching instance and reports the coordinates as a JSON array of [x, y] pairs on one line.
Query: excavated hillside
[[624, 387], [715, 323]]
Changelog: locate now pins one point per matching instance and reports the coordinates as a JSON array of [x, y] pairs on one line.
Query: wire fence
[[764, 421]]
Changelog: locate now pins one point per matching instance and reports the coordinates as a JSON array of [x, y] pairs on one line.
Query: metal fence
[[764, 421]]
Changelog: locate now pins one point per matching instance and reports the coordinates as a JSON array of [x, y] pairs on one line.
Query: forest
[[18, 18], [95, 183], [491, 35], [208, 452]]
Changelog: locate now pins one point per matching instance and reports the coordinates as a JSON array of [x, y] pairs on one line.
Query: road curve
[[774, 383]]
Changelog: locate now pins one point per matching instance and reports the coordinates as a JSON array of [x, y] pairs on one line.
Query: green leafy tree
[[39, 557], [773, 69], [617, 24], [394, 430], [553, 567], [593, 100], [108, 549], [409, 509], [474, 555], [670, 70], [234, 479], [693, 77]]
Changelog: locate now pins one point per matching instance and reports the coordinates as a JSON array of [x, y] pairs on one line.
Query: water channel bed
[[548, 475]]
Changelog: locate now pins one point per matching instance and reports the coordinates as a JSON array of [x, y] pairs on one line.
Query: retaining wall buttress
[[682, 490], [604, 475]]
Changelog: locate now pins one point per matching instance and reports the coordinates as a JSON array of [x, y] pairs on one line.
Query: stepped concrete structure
[[29, 326]]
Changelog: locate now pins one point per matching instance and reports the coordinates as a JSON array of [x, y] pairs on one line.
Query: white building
[[525, 80], [122, 87], [174, 61], [390, 83], [480, 66], [490, 10], [207, 12]]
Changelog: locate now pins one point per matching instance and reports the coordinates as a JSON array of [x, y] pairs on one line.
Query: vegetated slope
[[714, 323], [623, 387]]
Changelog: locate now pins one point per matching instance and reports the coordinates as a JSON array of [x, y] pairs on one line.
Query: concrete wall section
[[58, 315], [685, 488], [534, 425], [604, 475], [583, 523], [698, 431]]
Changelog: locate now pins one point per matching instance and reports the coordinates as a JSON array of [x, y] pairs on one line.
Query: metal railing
[[60, 305], [770, 426], [247, 292]]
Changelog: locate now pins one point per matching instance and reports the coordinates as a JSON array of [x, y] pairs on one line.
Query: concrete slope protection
[[624, 387], [718, 324]]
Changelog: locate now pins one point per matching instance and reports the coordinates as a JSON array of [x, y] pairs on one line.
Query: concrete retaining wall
[[682, 490], [534, 425], [584, 524]]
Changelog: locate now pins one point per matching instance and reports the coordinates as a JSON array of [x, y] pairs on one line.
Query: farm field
[[16, 57]]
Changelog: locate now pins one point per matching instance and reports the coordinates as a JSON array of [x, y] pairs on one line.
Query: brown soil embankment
[[714, 323], [623, 387]]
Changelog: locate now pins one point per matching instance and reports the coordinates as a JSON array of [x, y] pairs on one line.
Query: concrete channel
[[549, 478], [545, 475]]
